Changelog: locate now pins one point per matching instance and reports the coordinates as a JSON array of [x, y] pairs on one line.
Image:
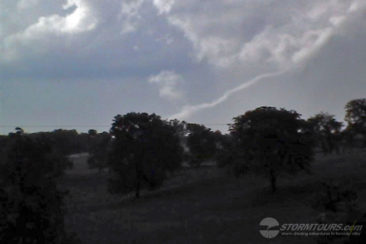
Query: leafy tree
[[99, 148], [143, 148], [326, 130], [347, 139], [180, 128], [3, 140], [272, 141], [230, 155], [356, 117], [201, 143], [65, 141], [356, 112], [31, 205], [92, 132]]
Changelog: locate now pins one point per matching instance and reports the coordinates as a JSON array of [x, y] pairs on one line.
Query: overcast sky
[[78, 63]]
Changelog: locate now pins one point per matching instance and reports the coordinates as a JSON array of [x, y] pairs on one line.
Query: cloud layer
[[285, 40], [203, 62], [266, 32], [168, 83]]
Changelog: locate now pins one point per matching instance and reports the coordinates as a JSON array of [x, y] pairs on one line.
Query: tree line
[[141, 150]]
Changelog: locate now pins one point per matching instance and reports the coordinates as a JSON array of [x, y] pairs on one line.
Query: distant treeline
[[331, 135], [66, 141]]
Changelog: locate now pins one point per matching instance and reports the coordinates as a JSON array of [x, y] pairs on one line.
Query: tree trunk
[[273, 179]]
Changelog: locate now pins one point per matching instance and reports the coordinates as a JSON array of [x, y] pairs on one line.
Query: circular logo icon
[[269, 228]]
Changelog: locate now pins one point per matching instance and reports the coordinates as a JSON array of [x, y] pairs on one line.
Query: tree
[[99, 148], [326, 131], [356, 112], [271, 142], [92, 132], [230, 155], [201, 143], [143, 149], [65, 141], [356, 118], [31, 205]]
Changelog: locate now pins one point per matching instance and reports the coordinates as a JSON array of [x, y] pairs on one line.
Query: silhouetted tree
[[3, 140], [326, 131], [230, 155], [31, 205], [99, 149], [144, 147], [356, 118], [92, 132], [201, 143], [272, 141], [65, 142], [347, 139]]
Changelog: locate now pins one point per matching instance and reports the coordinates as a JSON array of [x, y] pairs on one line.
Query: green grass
[[203, 205]]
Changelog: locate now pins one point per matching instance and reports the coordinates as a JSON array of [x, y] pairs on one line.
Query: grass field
[[203, 205]]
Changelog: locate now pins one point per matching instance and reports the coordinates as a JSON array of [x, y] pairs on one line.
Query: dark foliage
[[356, 120], [144, 147], [336, 198], [271, 141], [230, 156], [31, 205], [202, 144], [69, 142], [99, 146], [326, 131], [338, 203]]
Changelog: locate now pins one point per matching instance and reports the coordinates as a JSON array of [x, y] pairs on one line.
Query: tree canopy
[[326, 131], [143, 148], [356, 113], [201, 143], [31, 204], [99, 146], [356, 118], [272, 141]]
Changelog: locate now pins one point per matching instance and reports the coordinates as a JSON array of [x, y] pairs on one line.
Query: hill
[[204, 205]]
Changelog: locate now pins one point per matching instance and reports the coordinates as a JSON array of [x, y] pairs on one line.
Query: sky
[[78, 63]]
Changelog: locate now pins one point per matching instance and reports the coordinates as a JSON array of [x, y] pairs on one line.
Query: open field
[[203, 205]]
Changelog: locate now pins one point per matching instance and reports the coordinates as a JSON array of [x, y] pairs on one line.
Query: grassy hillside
[[204, 205]]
